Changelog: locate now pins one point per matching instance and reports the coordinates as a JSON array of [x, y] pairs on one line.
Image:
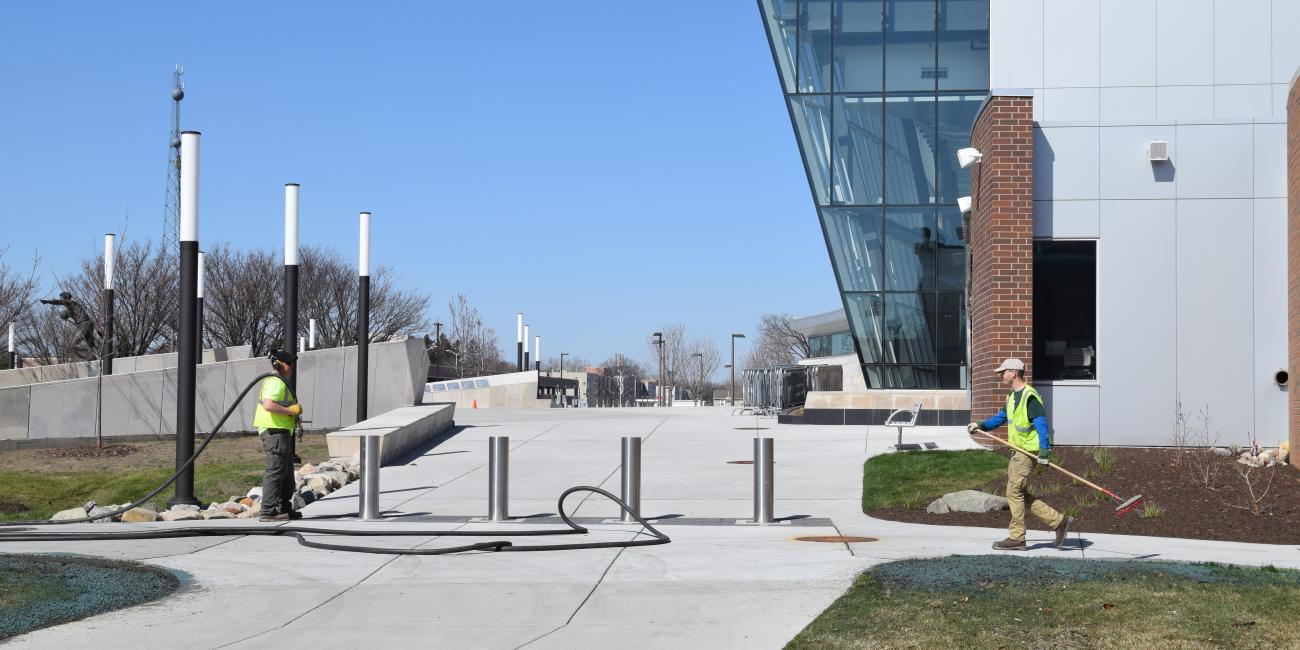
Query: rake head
[[1128, 505]]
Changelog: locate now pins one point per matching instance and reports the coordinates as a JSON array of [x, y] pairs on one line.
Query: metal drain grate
[[835, 539], [740, 462]]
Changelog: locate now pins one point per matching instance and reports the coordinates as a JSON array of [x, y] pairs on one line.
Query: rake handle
[[1053, 465]]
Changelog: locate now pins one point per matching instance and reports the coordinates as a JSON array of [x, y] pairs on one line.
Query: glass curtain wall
[[882, 93]]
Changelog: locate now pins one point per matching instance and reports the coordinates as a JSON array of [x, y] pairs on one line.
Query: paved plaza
[[720, 583]]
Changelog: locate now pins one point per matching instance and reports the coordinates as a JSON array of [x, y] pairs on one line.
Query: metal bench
[[905, 418]]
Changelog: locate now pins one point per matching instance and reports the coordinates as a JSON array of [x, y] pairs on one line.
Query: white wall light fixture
[[968, 156], [1157, 151], [963, 204]]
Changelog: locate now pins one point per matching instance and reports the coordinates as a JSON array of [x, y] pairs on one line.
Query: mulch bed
[[110, 451], [1167, 478]]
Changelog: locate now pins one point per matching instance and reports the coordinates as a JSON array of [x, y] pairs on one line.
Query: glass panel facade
[[854, 235], [882, 93], [830, 345]]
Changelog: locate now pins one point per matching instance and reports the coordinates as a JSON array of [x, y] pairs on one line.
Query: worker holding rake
[[1027, 430]]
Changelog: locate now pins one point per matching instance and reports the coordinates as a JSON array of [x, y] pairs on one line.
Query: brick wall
[[1002, 247], [1293, 266]]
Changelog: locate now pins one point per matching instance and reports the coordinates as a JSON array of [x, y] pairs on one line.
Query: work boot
[[294, 514], [1009, 544], [1062, 530], [279, 516]]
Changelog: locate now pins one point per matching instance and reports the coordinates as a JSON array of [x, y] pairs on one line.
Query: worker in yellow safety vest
[[275, 418], [1028, 430]]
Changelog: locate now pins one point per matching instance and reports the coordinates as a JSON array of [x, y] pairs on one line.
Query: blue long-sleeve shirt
[[1040, 425]]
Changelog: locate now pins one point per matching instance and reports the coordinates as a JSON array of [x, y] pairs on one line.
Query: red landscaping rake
[[1125, 505]]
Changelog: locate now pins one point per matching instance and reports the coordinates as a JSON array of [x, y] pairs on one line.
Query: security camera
[[968, 156], [963, 204]]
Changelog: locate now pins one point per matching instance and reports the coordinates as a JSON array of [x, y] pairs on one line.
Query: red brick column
[[1293, 267], [1002, 247]]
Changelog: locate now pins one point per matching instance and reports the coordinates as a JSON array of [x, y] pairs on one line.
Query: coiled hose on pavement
[[299, 532]]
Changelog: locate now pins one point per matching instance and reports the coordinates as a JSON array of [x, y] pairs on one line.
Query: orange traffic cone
[[473, 404]]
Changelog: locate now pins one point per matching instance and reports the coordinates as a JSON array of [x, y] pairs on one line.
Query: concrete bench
[[399, 431]]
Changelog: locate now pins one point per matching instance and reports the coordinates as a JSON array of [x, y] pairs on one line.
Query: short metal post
[[763, 466], [631, 478], [369, 478], [499, 478]]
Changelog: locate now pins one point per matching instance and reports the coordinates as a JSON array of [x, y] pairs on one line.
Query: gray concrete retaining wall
[[143, 403], [125, 365]]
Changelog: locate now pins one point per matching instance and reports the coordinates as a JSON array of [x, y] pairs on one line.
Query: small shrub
[[1072, 511], [1104, 458], [1150, 510], [1048, 489], [915, 501]]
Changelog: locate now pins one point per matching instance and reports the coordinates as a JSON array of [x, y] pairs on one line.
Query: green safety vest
[[1021, 431], [264, 419]]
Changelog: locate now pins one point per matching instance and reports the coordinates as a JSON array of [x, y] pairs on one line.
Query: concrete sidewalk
[[718, 584]]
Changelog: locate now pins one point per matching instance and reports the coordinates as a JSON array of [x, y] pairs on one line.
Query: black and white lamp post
[[198, 295], [106, 345], [363, 318], [13, 351], [537, 350], [659, 344], [291, 276], [519, 341], [527, 364], [186, 362], [311, 334]]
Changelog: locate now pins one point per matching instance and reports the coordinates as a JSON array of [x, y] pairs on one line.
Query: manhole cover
[[835, 539], [751, 428], [740, 462]]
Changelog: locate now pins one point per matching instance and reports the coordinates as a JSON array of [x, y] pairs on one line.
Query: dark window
[[1065, 310]]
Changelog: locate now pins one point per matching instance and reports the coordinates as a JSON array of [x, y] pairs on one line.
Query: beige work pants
[[1018, 498]]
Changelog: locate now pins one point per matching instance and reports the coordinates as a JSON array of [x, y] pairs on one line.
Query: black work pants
[[277, 483]]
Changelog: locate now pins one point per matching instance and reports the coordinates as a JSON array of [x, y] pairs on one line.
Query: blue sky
[[604, 167]]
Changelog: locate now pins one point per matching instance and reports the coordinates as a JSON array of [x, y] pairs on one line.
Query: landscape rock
[[338, 477], [186, 506], [938, 507], [306, 469], [255, 493], [308, 496], [232, 507], [974, 501], [247, 502], [180, 514], [99, 511], [329, 467], [217, 514], [298, 502], [151, 507], [1220, 451], [70, 513], [320, 485], [139, 515], [252, 512]]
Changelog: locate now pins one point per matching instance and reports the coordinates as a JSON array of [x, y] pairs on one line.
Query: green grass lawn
[[1137, 605], [47, 492], [913, 478]]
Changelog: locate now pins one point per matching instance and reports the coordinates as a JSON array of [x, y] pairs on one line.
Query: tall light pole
[[519, 341], [291, 276], [13, 351], [575, 391], [526, 362], [311, 333], [198, 311], [106, 346], [732, 396], [186, 362], [437, 337], [698, 390], [537, 350], [363, 318], [659, 344]]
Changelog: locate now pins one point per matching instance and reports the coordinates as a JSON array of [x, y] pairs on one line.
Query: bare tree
[[621, 381], [572, 363], [243, 298], [675, 355], [474, 345], [699, 370], [17, 293], [778, 343]]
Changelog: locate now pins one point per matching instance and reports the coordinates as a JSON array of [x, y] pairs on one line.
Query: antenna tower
[[172, 199]]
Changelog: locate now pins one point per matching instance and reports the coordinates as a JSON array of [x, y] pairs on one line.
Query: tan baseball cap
[[1011, 364]]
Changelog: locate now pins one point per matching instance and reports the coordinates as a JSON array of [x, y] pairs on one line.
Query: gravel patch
[[42, 590]]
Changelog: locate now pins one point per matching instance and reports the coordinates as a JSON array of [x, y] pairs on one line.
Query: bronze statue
[[87, 332]]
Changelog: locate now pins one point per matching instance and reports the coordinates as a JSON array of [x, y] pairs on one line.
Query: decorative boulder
[[217, 514], [139, 515], [973, 501], [306, 469], [181, 514], [255, 493], [938, 507], [100, 511], [320, 485], [70, 513]]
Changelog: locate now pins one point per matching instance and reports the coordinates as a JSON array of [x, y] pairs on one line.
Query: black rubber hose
[[188, 463], [299, 532]]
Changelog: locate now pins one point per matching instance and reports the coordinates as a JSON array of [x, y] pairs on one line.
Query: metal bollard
[[499, 478], [631, 477], [369, 478], [763, 465]]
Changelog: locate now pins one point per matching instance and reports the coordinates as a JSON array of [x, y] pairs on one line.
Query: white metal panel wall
[[1066, 164], [1136, 352], [1269, 319], [1215, 311]]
